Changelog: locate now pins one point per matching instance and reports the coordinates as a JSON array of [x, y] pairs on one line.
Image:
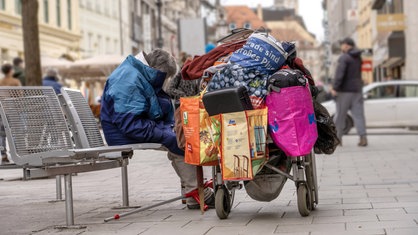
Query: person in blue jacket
[[51, 79], [136, 109]]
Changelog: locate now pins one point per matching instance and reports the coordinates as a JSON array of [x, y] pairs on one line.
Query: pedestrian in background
[[8, 80], [209, 47], [347, 90], [19, 70], [52, 79]]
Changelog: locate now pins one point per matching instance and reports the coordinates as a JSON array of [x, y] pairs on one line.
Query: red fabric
[[297, 63], [193, 69]]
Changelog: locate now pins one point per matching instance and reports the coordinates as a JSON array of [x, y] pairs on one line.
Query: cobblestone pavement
[[372, 190]]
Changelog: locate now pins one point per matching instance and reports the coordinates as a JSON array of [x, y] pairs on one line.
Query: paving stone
[[342, 219], [356, 226], [364, 232], [361, 191], [402, 231], [400, 211], [328, 228]]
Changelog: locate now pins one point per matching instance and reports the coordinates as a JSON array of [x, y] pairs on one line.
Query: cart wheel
[[222, 203], [311, 179], [304, 200]]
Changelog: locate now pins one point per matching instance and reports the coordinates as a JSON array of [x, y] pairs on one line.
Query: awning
[[396, 44], [378, 4], [393, 62], [94, 68], [393, 53], [57, 63]]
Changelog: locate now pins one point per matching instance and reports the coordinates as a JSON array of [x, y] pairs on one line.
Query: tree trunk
[[33, 73]]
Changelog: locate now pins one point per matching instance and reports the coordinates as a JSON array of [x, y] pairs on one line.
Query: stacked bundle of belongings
[[272, 75], [252, 65]]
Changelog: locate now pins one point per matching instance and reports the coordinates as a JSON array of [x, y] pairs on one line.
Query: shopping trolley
[[300, 169]]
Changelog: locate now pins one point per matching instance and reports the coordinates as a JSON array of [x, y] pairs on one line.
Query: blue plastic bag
[[263, 53]]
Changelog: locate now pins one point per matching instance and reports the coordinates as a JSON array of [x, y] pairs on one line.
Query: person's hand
[[333, 93]]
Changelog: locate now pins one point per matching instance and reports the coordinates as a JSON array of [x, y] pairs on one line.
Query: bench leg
[[125, 191], [69, 199], [58, 187]]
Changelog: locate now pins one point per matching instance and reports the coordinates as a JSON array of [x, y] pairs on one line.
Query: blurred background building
[[87, 39], [284, 23], [386, 30], [59, 29]]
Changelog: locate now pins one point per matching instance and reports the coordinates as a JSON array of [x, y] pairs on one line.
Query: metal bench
[[40, 141], [86, 133]]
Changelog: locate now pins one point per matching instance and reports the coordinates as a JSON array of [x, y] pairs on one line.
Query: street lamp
[[160, 41]]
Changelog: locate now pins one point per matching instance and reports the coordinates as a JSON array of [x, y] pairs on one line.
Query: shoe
[[363, 141], [4, 159], [209, 200]]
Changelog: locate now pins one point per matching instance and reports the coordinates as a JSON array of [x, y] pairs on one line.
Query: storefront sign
[[390, 22], [367, 66]]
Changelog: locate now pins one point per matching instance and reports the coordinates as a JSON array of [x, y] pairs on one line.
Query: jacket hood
[[154, 77], [354, 52]]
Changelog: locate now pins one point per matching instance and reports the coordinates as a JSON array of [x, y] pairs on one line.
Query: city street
[[372, 190], [133, 61]]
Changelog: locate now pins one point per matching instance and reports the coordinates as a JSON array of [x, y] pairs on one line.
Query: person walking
[[51, 79], [347, 90], [8, 80], [19, 70], [136, 109]]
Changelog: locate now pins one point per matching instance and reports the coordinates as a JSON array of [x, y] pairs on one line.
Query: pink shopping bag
[[291, 120]]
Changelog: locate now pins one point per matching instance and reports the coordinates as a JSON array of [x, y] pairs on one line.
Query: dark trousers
[[350, 101]]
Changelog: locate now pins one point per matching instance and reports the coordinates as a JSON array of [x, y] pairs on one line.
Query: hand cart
[[303, 174]]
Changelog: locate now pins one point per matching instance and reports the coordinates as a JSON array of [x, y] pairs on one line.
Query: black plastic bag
[[327, 140]]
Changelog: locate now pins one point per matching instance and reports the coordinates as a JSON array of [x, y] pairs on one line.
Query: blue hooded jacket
[[135, 109], [51, 81]]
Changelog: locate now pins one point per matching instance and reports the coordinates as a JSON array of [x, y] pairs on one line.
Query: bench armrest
[[146, 146]]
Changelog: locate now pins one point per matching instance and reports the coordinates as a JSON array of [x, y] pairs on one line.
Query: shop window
[[58, 10], [4, 55], [69, 12], [46, 11], [18, 7]]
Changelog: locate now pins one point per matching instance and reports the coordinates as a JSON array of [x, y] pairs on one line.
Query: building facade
[[411, 42], [287, 4], [285, 25], [389, 52], [385, 29], [365, 24], [142, 19], [341, 25], [58, 29], [172, 12], [99, 28], [242, 17], [326, 52], [342, 18]]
